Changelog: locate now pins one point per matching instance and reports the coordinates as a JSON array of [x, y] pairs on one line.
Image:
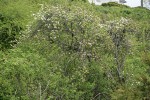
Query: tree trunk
[[141, 3]]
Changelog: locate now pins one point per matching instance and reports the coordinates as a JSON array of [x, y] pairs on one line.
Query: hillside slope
[[72, 50]]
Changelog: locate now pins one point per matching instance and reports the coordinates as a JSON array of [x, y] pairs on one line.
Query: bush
[[55, 62], [146, 57], [9, 32], [74, 51], [71, 29], [114, 4]]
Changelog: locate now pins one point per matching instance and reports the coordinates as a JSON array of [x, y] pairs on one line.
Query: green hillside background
[[73, 50]]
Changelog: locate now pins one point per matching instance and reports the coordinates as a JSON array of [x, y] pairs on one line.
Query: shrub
[[114, 4], [9, 32], [71, 29], [55, 62], [146, 58]]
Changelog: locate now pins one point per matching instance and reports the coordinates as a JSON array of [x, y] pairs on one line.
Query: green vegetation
[[111, 4], [72, 50]]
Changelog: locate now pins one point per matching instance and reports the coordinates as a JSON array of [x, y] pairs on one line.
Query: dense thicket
[[72, 50]]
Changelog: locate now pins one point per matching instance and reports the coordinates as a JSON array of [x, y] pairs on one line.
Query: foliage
[[146, 58], [73, 51], [76, 34], [112, 4], [144, 87], [9, 32]]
